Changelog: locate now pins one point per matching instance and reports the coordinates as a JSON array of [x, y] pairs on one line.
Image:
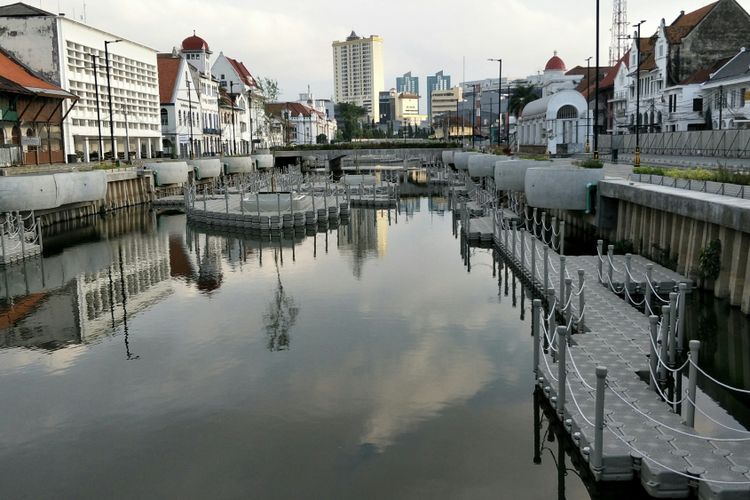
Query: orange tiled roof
[[14, 72], [685, 23], [243, 72], [168, 65]]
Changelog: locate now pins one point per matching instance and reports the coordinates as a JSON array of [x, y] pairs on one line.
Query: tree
[[521, 96], [270, 88], [410, 131], [349, 116], [321, 139]]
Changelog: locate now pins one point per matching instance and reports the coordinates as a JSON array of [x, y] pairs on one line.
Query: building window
[[164, 117], [698, 104]]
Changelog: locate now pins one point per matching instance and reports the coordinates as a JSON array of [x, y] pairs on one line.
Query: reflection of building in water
[[411, 206], [203, 266], [438, 204], [113, 279], [365, 237]]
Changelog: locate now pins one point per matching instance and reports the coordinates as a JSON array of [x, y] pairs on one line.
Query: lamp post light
[[109, 92], [637, 159], [190, 116], [234, 138], [100, 144], [499, 96], [596, 97], [588, 105]]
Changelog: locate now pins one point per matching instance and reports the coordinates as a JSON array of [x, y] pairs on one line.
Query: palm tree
[[521, 96]]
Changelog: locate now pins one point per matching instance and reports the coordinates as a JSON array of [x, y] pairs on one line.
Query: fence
[[735, 190], [733, 143]]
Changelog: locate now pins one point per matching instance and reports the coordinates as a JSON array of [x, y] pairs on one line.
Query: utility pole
[[588, 106], [499, 97], [234, 138], [190, 115], [109, 92], [721, 106], [596, 98], [473, 115], [98, 111], [637, 161]]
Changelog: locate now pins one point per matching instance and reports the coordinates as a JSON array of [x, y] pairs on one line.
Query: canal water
[[147, 358]]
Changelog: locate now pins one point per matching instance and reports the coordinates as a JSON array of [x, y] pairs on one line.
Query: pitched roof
[[737, 66], [243, 72], [295, 109], [609, 80], [685, 23], [20, 9], [168, 66], [647, 57], [18, 78], [585, 86]]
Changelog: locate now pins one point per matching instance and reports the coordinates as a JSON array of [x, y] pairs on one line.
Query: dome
[[555, 64], [194, 43]]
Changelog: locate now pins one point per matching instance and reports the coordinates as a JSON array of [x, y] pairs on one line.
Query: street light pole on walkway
[[499, 96], [637, 159], [109, 92]]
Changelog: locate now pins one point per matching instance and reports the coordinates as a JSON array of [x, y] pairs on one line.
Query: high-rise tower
[[619, 44]]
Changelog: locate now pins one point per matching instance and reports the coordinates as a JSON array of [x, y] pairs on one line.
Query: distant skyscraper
[[408, 84], [358, 72], [439, 81]]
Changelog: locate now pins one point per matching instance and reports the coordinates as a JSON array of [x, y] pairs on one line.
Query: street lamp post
[[588, 105], [190, 116], [109, 92], [234, 138], [100, 144], [596, 97], [637, 159], [499, 96]]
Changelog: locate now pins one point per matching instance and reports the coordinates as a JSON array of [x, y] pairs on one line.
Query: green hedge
[[367, 145], [696, 174]]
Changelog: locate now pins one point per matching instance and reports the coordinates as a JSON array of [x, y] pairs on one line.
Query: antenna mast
[[619, 44]]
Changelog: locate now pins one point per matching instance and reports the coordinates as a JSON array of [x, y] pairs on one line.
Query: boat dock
[[611, 358]]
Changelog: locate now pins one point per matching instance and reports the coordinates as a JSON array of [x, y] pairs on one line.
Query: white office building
[[64, 51], [358, 72]]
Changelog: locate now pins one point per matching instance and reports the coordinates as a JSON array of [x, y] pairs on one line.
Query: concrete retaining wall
[[40, 192], [511, 175], [559, 187], [678, 224]]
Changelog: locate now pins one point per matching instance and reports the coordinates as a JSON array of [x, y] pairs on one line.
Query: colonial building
[[556, 123], [673, 63], [234, 77], [198, 55], [303, 122], [180, 107], [727, 94], [31, 116], [71, 55]]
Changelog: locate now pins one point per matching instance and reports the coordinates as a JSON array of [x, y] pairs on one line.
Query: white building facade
[[64, 51], [358, 72]]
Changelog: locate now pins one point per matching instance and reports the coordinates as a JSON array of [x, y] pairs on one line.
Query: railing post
[[628, 260], [533, 260], [664, 342], [600, 254], [204, 199], [21, 234], [681, 317], [596, 457], [649, 278], [610, 258], [562, 237], [653, 355], [562, 279], [536, 309], [672, 329], [545, 256], [567, 313], [39, 233], [581, 300], [552, 318], [695, 346], [515, 230], [523, 249], [562, 344], [555, 240], [534, 212]]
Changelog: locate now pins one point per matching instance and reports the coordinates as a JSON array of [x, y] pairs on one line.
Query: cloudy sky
[[290, 40]]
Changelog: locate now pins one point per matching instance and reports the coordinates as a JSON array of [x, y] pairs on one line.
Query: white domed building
[[555, 123]]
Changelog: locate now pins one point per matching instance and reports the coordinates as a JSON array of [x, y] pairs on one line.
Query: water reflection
[[281, 315], [78, 294]]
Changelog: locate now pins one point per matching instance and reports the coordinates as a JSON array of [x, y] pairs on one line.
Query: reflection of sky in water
[[405, 376]]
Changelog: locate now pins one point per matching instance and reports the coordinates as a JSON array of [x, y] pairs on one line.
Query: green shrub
[[591, 163], [697, 174], [709, 262], [367, 145]]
